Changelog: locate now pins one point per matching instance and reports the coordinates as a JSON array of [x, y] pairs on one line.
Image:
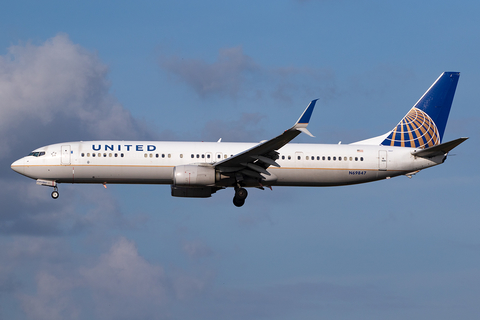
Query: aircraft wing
[[440, 149], [256, 160]]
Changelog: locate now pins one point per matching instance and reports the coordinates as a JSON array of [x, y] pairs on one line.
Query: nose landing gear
[[55, 193], [50, 183], [240, 196]]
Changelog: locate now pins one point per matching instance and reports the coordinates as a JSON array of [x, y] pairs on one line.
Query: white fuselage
[[150, 162]]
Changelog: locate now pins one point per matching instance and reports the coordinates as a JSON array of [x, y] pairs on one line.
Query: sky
[[240, 71]]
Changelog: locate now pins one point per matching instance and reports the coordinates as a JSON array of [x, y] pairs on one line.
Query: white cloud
[[48, 93], [53, 299], [235, 73], [225, 76], [125, 285], [118, 284], [58, 86]]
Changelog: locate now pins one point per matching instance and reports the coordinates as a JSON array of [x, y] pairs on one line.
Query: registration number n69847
[[357, 173]]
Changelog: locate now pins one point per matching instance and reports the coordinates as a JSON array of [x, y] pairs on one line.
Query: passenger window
[[283, 157], [116, 155], [203, 156], [198, 156], [156, 156], [356, 158], [225, 156], [121, 155], [192, 156], [99, 155], [208, 156], [88, 154], [83, 155], [299, 158], [306, 158], [163, 155], [169, 155], [218, 156], [146, 155], [151, 155], [334, 158], [329, 158], [350, 158], [110, 155], [361, 158], [339, 158], [181, 155], [93, 155]]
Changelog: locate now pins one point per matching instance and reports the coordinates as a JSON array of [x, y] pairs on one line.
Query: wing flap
[[256, 168], [266, 160]]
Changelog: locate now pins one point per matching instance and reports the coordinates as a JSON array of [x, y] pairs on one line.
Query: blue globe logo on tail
[[416, 130], [424, 125]]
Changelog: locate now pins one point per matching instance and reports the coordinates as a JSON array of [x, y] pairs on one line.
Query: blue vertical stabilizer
[[425, 123]]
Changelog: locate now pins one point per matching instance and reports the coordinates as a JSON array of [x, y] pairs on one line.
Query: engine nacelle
[[193, 175], [192, 192]]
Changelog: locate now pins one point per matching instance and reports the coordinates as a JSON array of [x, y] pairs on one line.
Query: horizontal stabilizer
[[439, 149]]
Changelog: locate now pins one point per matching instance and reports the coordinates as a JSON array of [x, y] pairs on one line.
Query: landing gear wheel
[[55, 194], [238, 203], [240, 196], [241, 193]]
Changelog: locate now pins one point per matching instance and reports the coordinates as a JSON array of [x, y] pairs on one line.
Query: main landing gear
[[55, 193], [240, 196]]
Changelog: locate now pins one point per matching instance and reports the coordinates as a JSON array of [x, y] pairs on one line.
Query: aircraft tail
[[425, 123]]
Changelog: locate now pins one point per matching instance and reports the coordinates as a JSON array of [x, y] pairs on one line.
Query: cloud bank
[[53, 92]]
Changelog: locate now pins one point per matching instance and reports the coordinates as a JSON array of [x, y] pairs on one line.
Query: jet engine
[[193, 175], [193, 181]]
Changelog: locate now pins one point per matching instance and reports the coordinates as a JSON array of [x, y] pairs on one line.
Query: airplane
[[199, 169]]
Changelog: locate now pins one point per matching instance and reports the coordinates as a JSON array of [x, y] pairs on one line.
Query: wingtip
[[305, 117]]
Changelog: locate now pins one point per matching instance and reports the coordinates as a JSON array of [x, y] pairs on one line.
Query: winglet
[[304, 119]]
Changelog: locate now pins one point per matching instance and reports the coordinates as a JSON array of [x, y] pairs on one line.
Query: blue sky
[[240, 71]]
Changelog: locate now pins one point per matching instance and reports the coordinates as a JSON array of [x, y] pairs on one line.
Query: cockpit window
[[37, 153]]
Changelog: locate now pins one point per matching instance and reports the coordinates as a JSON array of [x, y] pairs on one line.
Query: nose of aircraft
[[19, 166]]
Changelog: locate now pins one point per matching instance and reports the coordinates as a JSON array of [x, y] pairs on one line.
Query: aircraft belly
[[329, 177], [116, 174]]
